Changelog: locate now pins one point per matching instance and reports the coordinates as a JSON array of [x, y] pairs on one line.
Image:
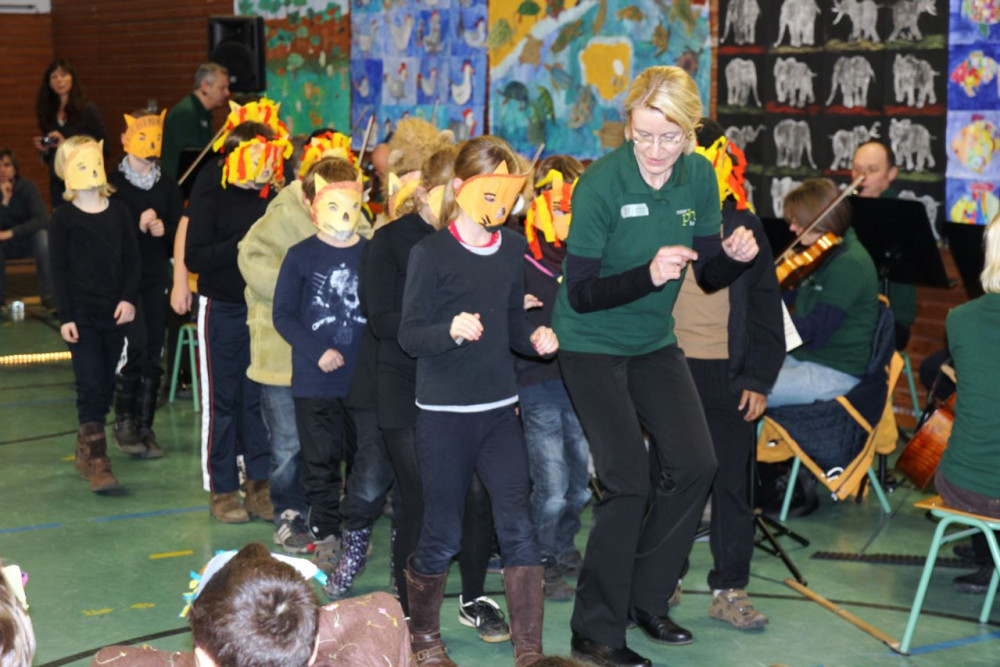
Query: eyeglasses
[[665, 140]]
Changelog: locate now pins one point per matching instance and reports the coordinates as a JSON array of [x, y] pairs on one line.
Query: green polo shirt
[[972, 458], [619, 219], [848, 281], [902, 296], [187, 125]]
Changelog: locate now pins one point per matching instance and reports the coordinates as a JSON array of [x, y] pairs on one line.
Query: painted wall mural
[[308, 44], [419, 57], [973, 131], [559, 69], [802, 83]]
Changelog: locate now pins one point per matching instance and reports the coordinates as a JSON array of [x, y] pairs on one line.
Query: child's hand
[[545, 341], [145, 219], [466, 328], [180, 297], [330, 361], [531, 301], [156, 228], [69, 333], [124, 312]]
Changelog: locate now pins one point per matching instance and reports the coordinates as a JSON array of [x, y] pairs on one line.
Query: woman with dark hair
[[24, 226], [63, 112]]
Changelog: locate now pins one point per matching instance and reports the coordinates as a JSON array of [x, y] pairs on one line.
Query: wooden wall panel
[[128, 52], [25, 50]]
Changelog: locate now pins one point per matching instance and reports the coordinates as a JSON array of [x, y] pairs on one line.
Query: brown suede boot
[[92, 457], [525, 587], [227, 508], [258, 501], [425, 592]]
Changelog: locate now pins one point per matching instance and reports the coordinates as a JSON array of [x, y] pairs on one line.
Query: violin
[[793, 266]]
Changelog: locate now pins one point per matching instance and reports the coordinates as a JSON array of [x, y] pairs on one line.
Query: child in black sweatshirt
[[219, 218], [463, 312], [95, 271], [155, 203]]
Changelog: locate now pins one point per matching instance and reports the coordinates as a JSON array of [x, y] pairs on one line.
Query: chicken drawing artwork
[[336, 208], [489, 198], [143, 136], [84, 168]]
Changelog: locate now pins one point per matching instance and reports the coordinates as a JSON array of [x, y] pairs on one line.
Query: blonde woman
[[95, 273], [967, 476], [641, 214]]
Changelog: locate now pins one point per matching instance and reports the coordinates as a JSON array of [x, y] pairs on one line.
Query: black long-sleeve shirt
[[25, 213], [164, 198], [95, 260], [444, 279], [383, 280], [219, 219]]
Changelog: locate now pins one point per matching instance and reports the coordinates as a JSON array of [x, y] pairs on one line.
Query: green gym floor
[[108, 569]]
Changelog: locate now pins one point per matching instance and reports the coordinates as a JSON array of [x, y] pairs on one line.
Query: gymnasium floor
[[110, 569]]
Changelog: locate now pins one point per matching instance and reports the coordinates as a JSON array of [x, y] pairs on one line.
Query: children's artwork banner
[[308, 49], [973, 130], [560, 69], [424, 58]]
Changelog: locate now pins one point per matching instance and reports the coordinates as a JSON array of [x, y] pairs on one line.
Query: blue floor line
[[25, 529], [140, 515], [954, 643]]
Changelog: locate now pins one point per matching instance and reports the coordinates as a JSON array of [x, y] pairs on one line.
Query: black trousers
[[146, 335], [95, 357], [731, 536], [477, 523], [642, 532]]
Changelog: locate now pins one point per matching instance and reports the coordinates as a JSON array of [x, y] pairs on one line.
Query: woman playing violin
[[835, 309]]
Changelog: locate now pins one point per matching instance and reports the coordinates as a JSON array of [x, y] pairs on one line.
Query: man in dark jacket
[[734, 343]]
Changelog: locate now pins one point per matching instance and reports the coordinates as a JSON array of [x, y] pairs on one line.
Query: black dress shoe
[[662, 630], [593, 653]]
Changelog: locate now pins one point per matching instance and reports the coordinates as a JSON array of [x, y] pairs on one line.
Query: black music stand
[[897, 235], [778, 234], [966, 243]]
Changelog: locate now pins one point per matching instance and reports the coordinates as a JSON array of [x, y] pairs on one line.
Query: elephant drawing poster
[[973, 134], [802, 83], [426, 59]]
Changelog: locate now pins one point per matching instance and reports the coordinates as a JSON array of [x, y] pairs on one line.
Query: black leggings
[[477, 525]]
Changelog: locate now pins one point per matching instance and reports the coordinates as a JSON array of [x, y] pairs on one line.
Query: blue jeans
[[37, 246], [803, 382], [278, 412], [371, 472], [557, 465]]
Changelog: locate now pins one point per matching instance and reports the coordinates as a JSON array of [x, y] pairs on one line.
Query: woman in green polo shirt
[[640, 215], [967, 477]]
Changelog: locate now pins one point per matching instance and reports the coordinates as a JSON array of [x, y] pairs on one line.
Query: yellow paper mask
[[144, 136], [84, 168], [435, 199], [256, 161], [336, 208], [550, 213], [401, 189], [262, 111], [328, 144], [489, 198]]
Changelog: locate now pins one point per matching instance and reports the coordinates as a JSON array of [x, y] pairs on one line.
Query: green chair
[[908, 371], [974, 522], [187, 337]]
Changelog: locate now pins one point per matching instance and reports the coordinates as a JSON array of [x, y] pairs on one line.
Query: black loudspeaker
[[237, 43]]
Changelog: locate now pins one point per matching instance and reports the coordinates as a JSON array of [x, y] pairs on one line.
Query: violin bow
[[849, 190]]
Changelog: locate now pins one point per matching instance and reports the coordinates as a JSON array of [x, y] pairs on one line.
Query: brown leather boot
[[227, 508], [525, 587], [425, 592], [92, 457], [258, 500]]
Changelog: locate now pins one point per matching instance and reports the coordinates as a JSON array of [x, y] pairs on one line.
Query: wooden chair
[[974, 523]]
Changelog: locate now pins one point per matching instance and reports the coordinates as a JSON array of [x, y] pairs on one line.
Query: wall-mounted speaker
[[237, 43]]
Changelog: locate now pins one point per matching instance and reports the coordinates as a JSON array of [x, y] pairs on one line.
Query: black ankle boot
[[125, 432], [148, 393]]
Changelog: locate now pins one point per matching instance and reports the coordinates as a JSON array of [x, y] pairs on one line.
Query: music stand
[[778, 234], [966, 243], [897, 235]]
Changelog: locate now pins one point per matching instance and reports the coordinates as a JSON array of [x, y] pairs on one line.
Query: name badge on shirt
[[635, 210]]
